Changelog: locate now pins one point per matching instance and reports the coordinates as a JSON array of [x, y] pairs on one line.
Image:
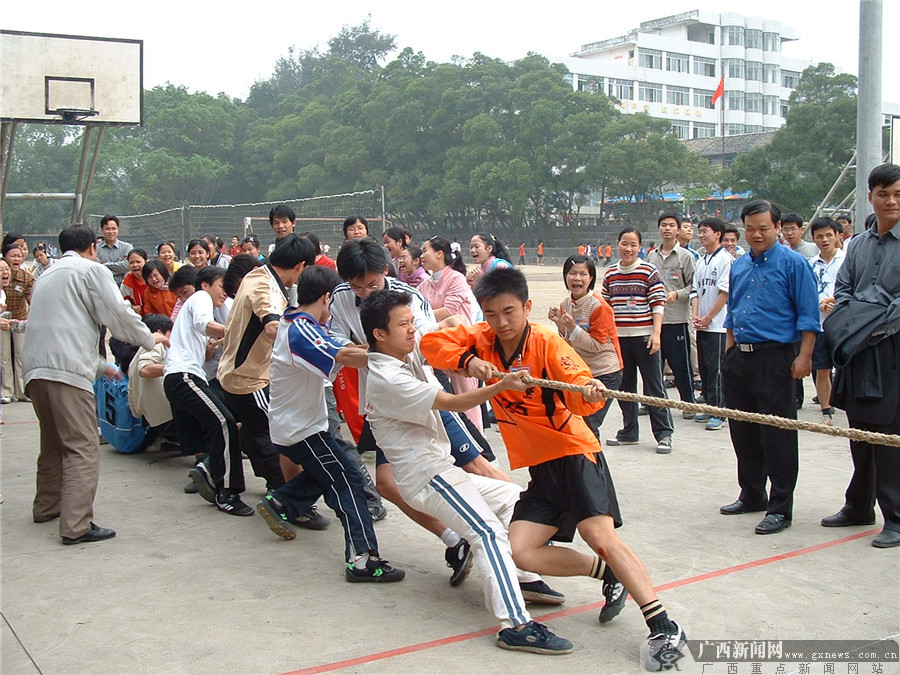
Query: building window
[[704, 130], [790, 79], [678, 63], [650, 58], [753, 103], [678, 95], [785, 106], [771, 73], [771, 42], [703, 98], [682, 129], [754, 71], [734, 129], [753, 129], [621, 89], [753, 39], [590, 84], [651, 93], [771, 105], [733, 68], [733, 35], [704, 66], [734, 100]]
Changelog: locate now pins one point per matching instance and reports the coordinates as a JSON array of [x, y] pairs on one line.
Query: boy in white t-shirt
[[404, 400], [202, 418], [708, 310], [303, 356], [825, 267]]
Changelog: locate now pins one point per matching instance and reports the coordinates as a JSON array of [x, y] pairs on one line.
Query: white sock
[[360, 561], [450, 538]]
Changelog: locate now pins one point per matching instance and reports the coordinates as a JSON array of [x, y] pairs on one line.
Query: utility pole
[[868, 111]]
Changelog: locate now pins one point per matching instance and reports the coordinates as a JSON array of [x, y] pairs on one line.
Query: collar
[[278, 279], [709, 256], [765, 255], [517, 352], [105, 245]]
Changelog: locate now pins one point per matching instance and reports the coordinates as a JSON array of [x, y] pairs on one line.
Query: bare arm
[[470, 399], [215, 329]]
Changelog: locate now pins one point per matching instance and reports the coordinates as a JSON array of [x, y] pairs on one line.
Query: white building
[[671, 67]]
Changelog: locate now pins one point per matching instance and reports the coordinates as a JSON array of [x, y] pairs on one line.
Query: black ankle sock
[[657, 618]]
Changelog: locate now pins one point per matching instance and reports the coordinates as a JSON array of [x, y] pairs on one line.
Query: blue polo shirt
[[773, 297]]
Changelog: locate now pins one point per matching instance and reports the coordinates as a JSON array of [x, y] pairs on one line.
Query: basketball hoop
[[73, 115]]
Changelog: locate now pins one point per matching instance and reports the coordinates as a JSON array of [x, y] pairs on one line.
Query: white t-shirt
[[408, 430], [711, 275], [187, 344], [303, 357], [826, 274]]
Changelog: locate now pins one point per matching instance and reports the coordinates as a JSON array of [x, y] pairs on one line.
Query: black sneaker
[[376, 570], [190, 489], [664, 649], [312, 520], [202, 479], [534, 637], [615, 594], [459, 558], [540, 593], [96, 533], [275, 518], [378, 512], [231, 503]]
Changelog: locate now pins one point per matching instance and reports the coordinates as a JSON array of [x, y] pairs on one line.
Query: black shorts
[[821, 357], [567, 490]]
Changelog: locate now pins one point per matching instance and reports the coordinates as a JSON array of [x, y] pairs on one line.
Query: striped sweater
[[635, 292]]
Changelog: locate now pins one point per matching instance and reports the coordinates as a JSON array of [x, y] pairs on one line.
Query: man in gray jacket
[[61, 360]]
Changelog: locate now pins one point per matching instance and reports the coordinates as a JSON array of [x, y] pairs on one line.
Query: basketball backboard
[[70, 79]]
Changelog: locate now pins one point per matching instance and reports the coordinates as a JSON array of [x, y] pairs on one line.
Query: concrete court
[[186, 589]]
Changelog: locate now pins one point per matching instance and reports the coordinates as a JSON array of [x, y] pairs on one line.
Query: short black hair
[[157, 265], [792, 218], [579, 259], [731, 229], [398, 234], [186, 275], [314, 238], [359, 257], [141, 252], [194, 243], [375, 311], [315, 281], [715, 224], [629, 229], [281, 211], [883, 175], [844, 216], [12, 237], [238, 268], [823, 223], [351, 219], [669, 214], [77, 237], [499, 281], [105, 219], [291, 250], [755, 206], [8, 248], [158, 323], [208, 275]]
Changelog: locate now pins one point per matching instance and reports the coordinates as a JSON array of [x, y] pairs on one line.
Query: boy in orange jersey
[[570, 485]]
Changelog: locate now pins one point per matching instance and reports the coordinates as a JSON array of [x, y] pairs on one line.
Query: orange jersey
[[539, 424], [540, 249]]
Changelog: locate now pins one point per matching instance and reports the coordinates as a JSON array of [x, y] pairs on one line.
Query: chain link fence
[[322, 215]]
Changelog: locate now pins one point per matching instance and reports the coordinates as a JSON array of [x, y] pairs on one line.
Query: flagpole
[[722, 177]]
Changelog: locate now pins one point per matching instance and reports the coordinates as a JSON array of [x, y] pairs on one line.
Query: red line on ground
[[409, 649]]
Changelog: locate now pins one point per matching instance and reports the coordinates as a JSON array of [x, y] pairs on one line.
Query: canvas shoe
[[275, 518], [459, 558], [663, 650], [534, 637], [375, 570]]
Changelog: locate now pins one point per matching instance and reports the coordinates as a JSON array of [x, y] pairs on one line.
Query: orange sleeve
[[603, 326], [445, 349]]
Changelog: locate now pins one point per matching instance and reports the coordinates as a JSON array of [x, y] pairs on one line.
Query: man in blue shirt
[[870, 276], [772, 305]]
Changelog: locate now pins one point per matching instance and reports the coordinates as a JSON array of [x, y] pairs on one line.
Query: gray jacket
[[62, 337]]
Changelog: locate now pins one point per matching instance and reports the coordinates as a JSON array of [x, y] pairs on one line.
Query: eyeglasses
[[374, 286]]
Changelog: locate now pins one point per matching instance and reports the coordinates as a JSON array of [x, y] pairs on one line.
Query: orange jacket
[[537, 425]]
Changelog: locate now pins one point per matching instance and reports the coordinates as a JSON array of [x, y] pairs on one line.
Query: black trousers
[[761, 382], [876, 476], [636, 356], [675, 349], [205, 424], [253, 412], [595, 420], [710, 353]]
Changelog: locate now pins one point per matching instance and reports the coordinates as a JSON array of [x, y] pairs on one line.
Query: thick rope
[[715, 411]]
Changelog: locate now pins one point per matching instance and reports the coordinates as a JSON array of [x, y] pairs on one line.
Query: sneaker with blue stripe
[[533, 637]]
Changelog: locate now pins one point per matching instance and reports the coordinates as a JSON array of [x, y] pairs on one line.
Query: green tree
[[807, 154]]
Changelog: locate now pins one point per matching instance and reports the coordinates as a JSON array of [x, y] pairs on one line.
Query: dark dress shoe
[[772, 524], [94, 534], [841, 519], [738, 507], [886, 539]]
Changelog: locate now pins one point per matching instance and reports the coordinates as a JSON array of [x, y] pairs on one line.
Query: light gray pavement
[[184, 588]]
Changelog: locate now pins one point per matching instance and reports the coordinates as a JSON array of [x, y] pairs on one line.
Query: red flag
[[720, 91]]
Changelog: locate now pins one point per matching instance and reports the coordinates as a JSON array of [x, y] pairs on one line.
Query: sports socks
[[600, 570], [657, 619], [450, 538]]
